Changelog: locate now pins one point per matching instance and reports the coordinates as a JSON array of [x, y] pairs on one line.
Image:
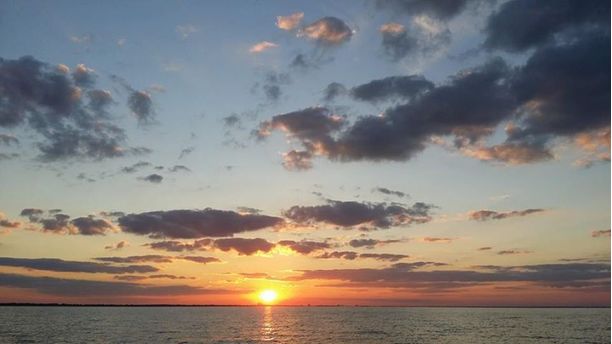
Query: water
[[301, 325]]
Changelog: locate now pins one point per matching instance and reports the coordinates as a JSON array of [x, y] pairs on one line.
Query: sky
[[391, 152]]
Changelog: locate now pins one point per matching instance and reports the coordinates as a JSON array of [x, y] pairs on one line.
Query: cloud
[[157, 259], [510, 153], [289, 22], [200, 260], [59, 223], [6, 223], [557, 95], [153, 178], [304, 246], [261, 47], [350, 255], [478, 99], [59, 265], [601, 234], [186, 30], [443, 9], [333, 90], [8, 139], [141, 105], [328, 31], [135, 167], [398, 87], [371, 243], [424, 37], [85, 39], [436, 240], [84, 76], [391, 192], [118, 246], [191, 224], [243, 246], [485, 248], [76, 288], [411, 275], [542, 22], [141, 278], [367, 215], [179, 246], [486, 215], [179, 168], [512, 252], [186, 151], [69, 117], [92, 226]]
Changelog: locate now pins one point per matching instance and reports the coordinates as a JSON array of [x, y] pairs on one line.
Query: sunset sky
[[334, 152]]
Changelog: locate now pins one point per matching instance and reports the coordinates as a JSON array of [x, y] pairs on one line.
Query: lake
[[302, 325]]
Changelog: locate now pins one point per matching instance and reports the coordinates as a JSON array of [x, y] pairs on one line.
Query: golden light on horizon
[[268, 296]]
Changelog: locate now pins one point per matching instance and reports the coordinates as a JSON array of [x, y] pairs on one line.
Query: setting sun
[[268, 296]]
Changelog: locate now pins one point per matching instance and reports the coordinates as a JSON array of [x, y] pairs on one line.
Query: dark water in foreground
[[301, 325]]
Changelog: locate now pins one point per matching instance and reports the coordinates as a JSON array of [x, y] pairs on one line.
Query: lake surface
[[301, 325]]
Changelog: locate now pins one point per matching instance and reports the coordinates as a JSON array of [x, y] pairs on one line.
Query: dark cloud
[[486, 215], [141, 278], [190, 224], [469, 107], [436, 239], [153, 178], [91, 226], [186, 151], [565, 90], [31, 213], [350, 255], [272, 85], [402, 87], [179, 168], [179, 246], [54, 105], [6, 223], [141, 105], [327, 31], [391, 192], [135, 167], [411, 275], [243, 246], [136, 259], [350, 214], [485, 248], [304, 246], [59, 223], [397, 42], [333, 90], [76, 288], [117, 246], [442, 9], [601, 234], [542, 22], [371, 243], [512, 252], [59, 265], [8, 139], [200, 260]]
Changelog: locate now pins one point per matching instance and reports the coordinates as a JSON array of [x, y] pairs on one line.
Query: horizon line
[[55, 304]]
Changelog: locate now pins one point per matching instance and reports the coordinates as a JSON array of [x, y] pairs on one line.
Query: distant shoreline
[[18, 304]]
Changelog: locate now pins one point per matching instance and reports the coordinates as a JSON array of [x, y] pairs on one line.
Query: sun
[[268, 296]]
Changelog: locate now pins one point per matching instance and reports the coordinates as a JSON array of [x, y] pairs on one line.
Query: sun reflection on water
[[267, 327]]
